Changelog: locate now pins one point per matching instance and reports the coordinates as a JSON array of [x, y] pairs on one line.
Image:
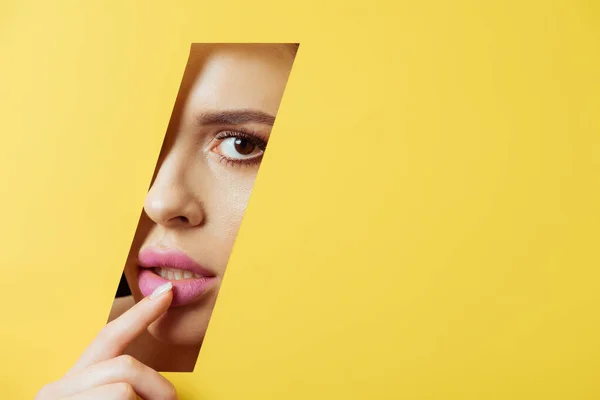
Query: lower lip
[[185, 291]]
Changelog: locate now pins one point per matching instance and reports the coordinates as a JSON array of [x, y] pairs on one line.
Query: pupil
[[243, 146]]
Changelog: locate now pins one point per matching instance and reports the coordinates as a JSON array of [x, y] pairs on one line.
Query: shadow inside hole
[[123, 289]]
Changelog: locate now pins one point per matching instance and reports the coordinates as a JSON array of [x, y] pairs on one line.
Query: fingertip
[[163, 290]]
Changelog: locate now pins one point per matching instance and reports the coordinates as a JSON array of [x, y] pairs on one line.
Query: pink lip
[[185, 291]]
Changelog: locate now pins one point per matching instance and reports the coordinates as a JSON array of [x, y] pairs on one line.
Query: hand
[[104, 372]]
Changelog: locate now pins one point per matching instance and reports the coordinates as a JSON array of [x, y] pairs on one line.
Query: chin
[[182, 326]]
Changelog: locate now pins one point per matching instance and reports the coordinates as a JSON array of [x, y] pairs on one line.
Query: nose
[[171, 202]]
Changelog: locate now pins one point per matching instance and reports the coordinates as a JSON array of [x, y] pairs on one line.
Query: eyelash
[[246, 135]]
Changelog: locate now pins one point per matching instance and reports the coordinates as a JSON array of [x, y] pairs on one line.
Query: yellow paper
[[424, 225]]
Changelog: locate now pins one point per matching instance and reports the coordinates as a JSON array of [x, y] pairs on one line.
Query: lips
[[190, 280]]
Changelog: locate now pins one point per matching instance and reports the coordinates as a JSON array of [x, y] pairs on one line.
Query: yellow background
[[424, 226]]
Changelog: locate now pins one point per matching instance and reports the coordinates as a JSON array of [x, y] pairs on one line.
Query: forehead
[[249, 76]]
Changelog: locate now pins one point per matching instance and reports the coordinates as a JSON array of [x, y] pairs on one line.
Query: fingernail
[[162, 289]]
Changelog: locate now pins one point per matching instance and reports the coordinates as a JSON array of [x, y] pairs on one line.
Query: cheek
[[230, 202]]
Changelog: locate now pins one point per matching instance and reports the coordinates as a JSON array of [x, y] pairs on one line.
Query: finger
[[114, 338], [145, 381], [114, 391]]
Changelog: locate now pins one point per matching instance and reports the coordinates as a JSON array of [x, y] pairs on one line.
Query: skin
[[196, 202], [104, 372]]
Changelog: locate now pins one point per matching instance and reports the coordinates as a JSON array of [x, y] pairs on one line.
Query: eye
[[239, 147]]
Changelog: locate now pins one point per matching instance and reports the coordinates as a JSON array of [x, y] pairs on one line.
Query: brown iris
[[244, 147]]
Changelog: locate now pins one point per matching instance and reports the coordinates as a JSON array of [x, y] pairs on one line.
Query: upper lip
[[153, 258]]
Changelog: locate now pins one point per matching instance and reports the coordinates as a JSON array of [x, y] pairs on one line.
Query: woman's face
[[220, 127]]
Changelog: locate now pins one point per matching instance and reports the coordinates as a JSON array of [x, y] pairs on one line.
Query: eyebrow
[[235, 117]]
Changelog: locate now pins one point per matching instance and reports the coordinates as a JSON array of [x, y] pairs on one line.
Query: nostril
[[185, 220]]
